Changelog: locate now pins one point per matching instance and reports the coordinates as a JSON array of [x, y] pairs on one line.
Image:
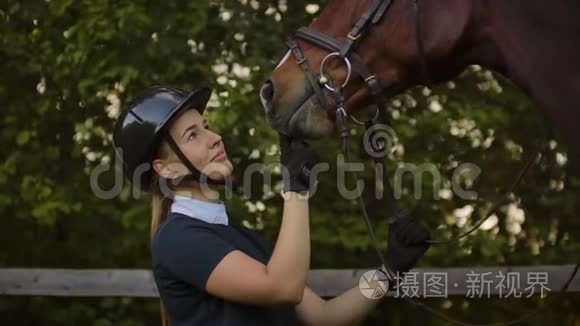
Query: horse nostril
[[267, 95]]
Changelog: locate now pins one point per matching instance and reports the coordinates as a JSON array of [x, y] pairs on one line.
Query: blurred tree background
[[67, 67]]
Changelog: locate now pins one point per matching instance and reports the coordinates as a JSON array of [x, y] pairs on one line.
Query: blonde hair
[[160, 206]]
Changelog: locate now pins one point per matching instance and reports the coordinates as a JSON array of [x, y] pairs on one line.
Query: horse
[[532, 43]]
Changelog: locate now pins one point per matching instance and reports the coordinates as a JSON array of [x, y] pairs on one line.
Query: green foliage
[[66, 67]]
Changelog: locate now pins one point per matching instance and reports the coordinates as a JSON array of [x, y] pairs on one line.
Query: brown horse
[[535, 44]]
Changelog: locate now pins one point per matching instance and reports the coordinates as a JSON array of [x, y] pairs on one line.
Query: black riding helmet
[[142, 126]]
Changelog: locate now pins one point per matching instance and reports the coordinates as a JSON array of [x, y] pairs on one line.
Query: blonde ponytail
[[160, 206]]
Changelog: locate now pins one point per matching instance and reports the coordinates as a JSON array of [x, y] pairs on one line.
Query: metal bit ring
[[325, 81]]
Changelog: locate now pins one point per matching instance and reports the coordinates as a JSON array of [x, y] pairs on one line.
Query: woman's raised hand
[[297, 160]]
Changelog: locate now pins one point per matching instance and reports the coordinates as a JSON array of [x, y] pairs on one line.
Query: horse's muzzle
[[277, 120]]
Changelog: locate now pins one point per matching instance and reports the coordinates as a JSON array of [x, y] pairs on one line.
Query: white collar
[[214, 213]]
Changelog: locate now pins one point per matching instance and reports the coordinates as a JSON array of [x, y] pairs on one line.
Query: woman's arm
[[290, 261], [352, 307], [349, 308], [240, 278]]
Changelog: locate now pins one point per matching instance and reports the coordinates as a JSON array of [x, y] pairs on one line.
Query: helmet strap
[[194, 174]]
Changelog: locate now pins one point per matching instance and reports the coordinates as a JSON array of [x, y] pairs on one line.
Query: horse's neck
[[530, 35], [537, 46]]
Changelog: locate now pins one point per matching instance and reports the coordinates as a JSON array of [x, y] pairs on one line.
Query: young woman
[[208, 271]]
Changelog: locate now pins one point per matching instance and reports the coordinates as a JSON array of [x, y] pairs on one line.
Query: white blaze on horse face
[[283, 60]]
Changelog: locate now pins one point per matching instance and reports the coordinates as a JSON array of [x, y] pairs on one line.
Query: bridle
[[345, 52], [355, 65], [352, 60]]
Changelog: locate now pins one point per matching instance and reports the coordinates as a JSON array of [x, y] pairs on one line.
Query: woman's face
[[203, 147]]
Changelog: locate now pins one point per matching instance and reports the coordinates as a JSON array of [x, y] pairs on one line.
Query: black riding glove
[[297, 160], [407, 243]]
